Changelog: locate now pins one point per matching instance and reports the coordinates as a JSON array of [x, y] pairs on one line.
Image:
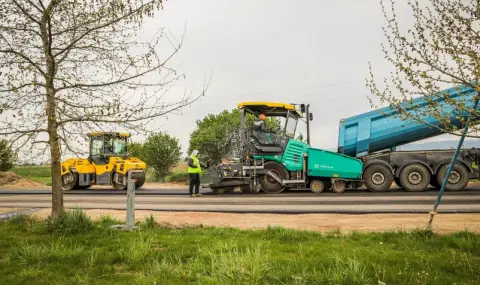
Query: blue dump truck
[[374, 136]]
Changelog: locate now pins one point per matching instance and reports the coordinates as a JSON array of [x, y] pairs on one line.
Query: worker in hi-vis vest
[[194, 170]]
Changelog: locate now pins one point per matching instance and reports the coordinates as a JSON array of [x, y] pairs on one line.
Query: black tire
[[434, 182], [328, 184], [397, 181], [459, 175], [339, 186], [378, 178], [140, 182], [269, 184], [415, 177], [317, 186]]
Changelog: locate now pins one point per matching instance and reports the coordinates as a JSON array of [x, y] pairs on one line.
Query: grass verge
[[32, 253], [40, 174]]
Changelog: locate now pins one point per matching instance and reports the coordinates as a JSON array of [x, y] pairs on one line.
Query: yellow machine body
[[108, 164]]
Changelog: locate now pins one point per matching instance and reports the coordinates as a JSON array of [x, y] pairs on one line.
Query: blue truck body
[[373, 137], [381, 129]]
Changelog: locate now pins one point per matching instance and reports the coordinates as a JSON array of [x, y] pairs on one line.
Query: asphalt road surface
[[396, 201]]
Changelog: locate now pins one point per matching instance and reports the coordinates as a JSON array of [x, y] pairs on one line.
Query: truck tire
[[397, 181], [269, 184], [378, 178], [458, 178], [415, 177], [317, 186], [434, 182], [339, 186]]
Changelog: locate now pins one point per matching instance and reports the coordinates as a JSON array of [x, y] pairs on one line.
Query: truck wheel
[[378, 178], [317, 186], [415, 177], [269, 184], [339, 186], [458, 179], [434, 182], [397, 181]]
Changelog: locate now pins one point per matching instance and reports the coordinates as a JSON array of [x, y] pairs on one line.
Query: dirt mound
[[7, 178], [13, 179]]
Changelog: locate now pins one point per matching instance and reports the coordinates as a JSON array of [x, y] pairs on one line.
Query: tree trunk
[[57, 191], [51, 106], [54, 142]]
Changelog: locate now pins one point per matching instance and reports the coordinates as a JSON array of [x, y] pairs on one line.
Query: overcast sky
[[307, 51]]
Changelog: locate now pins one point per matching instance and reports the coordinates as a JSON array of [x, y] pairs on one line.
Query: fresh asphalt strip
[[198, 201], [176, 192]]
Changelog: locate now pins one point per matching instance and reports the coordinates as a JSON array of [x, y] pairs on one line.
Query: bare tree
[[439, 50], [71, 66]]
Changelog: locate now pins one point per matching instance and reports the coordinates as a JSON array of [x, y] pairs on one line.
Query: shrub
[[7, 156], [150, 222], [177, 177], [162, 152], [70, 223]]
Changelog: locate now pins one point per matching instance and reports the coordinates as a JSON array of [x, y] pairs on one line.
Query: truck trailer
[[374, 136]]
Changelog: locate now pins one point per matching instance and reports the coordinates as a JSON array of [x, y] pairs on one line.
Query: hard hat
[[195, 152], [262, 117]]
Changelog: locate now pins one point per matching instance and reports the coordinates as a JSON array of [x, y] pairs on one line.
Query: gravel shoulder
[[8, 210], [443, 224]]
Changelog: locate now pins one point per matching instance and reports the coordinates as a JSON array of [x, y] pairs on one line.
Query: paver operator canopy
[[264, 138]]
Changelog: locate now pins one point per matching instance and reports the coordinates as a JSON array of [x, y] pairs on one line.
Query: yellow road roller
[[108, 163]]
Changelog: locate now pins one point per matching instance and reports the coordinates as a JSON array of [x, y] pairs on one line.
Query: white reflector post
[[130, 201]]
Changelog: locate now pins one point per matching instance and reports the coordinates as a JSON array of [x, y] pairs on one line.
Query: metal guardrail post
[[130, 201], [130, 222]]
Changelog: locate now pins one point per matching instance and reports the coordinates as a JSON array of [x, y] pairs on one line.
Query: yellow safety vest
[[195, 162]]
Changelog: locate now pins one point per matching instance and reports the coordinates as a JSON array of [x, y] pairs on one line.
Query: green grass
[[31, 253], [32, 171], [40, 174]]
